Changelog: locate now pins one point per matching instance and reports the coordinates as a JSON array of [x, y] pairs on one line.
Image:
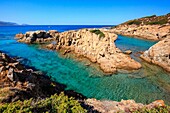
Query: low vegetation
[[136, 22], [150, 16], [54, 104], [160, 22], [98, 32], [150, 20]]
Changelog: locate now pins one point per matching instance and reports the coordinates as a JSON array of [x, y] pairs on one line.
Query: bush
[[54, 104], [136, 22], [159, 22], [98, 32], [150, 16]]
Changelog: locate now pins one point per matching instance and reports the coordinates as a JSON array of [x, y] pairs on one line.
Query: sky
[[79, 12]]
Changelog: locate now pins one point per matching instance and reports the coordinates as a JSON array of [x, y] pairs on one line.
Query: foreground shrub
[[136, 22], [54, 104]]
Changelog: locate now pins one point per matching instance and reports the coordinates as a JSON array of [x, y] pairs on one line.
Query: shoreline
[[148, 32]]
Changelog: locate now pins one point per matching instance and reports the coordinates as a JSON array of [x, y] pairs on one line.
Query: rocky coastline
[[20, 83], [149, 27], [148, 32], [95, 44]]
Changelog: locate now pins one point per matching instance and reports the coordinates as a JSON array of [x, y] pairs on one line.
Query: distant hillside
[[2, 23], [150, 20]]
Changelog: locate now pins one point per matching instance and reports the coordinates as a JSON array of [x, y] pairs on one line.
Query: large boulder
[[39, 36], [128, 52], [159, 54]]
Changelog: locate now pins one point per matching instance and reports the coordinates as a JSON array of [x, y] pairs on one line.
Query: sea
[[145, 86]]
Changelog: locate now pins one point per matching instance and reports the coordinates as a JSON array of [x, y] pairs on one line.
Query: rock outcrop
[[150, 27], [19, 83], [125, 106], [96, 45], [39, 36], [159, 54]]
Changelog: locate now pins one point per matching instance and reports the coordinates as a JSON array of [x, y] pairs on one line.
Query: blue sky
[[79, 12]]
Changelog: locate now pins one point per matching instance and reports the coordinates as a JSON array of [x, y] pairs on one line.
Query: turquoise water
[[146, 85], [134, 44]]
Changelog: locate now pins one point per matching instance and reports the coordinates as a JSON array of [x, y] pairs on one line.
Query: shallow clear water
[[146, 85]]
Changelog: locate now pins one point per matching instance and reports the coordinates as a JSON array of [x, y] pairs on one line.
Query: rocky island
[[95, 44]]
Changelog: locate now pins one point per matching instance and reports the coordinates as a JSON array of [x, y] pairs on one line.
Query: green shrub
[[113, 27], [54, 104], [136, 22], [150, 16], [98, 32], [159, 22], [165, 109]]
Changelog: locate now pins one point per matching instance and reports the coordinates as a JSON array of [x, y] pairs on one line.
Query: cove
[[148, 84]]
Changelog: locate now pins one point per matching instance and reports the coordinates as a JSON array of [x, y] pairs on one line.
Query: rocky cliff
[[150, 27], [94, 44], [159, 54]]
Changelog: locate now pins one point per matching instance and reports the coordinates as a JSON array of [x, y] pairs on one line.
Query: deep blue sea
[[146, 85]]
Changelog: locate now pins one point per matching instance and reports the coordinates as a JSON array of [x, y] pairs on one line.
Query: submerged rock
[[128, 52]]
